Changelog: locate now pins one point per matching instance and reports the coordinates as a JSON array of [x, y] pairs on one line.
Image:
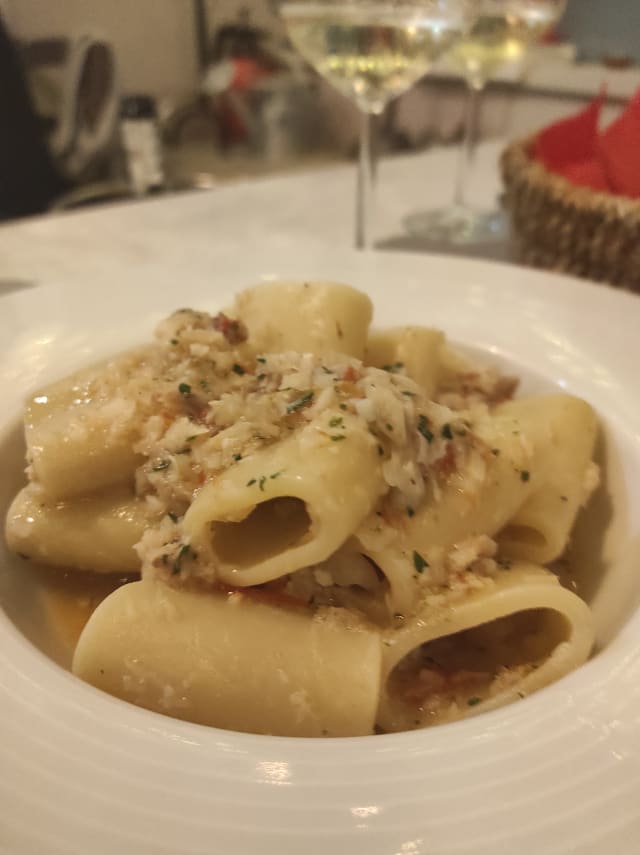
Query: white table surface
[[174, 233]]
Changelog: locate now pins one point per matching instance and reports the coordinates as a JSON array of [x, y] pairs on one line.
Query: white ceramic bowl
[[82, 773]]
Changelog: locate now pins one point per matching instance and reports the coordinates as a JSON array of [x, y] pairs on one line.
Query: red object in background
[[589, 173], [571, 140], [619, 151], [607, 162]]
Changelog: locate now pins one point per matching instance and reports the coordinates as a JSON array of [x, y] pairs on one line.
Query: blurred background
[[103, 101]]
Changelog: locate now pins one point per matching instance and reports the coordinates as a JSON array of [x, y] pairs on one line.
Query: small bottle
[[141, 143]]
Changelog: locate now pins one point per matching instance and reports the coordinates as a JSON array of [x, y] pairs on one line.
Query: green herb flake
[[423, 428], [394, 367], [275, 475], [237, 369], [300, 402], [338, 437], [184, 389], [251, 482], [163, 464], [524, 475], [446, 431], [172, 517], [381, 451], [336, 421], [204, 385], [177, 564], [495, 452], [261, 360], [408, 393], [410, 511], [343, 406], [564, 498], [389, 427], [173, 341], [237, 457], [260, 377], [261, 483], [418, 562], [472, 702]]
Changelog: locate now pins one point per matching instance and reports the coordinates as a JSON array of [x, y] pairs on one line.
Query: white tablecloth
[[93, 245]]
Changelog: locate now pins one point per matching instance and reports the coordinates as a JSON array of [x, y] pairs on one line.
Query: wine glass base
[[458, 225]]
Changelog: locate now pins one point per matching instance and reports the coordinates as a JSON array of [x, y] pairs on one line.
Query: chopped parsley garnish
[[263, 478], [163, 464], [237, 457], [446, 431], [261, 360], [192, 437], [423, 428], [343, 406], [177, 564], [300, 402], [275, 474], [173, 340], [326, 370], [495, 451], [237, 369], [204, 385], [184, 389], [338, 437], [472, 702], [524, 475], [408, 393], [336, 421], [564, 499], [410, 511], [418, 562], [260, 377], [394, 367], [172, 517], [389, 427], [381, 451], [251, 482]]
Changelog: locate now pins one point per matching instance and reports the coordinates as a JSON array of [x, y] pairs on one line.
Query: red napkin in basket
[[619, 151], [607, 161], [571, 140]]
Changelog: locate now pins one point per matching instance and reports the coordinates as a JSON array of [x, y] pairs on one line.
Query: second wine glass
[[372, 52], [501, 35]]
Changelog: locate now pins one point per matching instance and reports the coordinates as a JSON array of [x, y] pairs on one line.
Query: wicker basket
[[559, 226]]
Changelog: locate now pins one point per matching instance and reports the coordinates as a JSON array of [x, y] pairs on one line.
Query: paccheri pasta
[[338, 531]]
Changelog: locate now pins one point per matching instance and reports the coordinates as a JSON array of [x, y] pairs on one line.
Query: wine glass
[[371, 51], [501, 35]]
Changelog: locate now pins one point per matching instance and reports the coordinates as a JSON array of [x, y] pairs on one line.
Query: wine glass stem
[[468, 148], [364, 193]]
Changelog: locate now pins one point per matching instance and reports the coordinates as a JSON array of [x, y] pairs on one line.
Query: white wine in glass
[[372, 52], [501, 35]]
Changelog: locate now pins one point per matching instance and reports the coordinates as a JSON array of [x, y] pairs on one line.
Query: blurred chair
[[29, 180]]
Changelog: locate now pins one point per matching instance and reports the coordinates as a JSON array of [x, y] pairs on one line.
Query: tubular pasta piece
[[556, 635], [415, 350], [233, 661], [310, 317], [289, 505], [91, 533]]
